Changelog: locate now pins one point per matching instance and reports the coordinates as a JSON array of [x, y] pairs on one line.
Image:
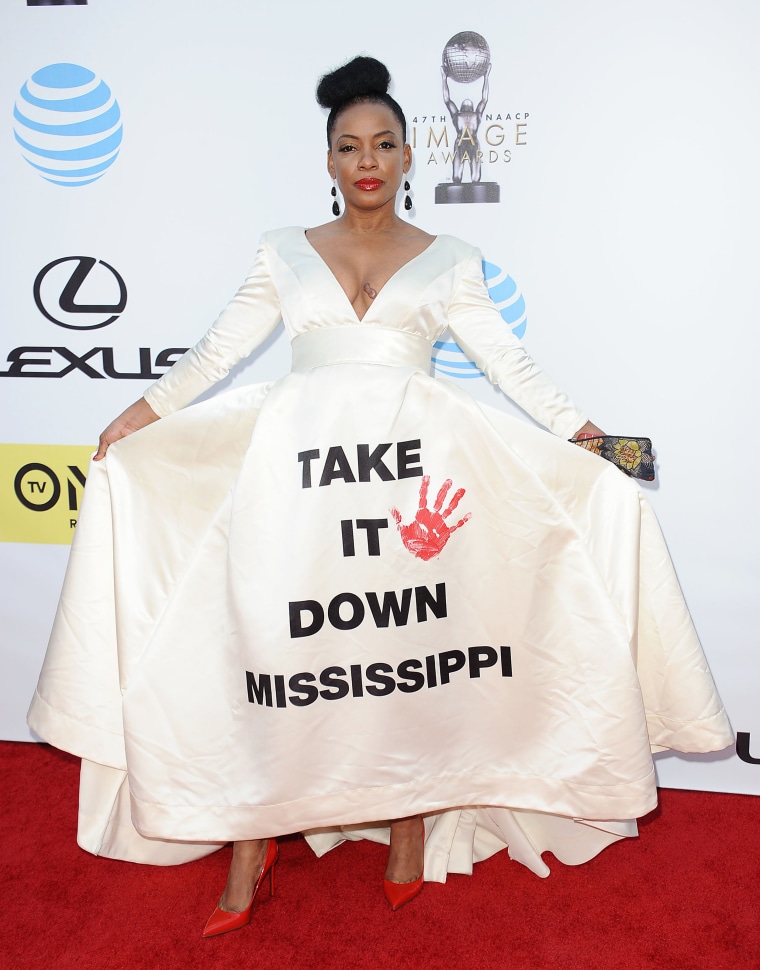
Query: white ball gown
[[356, 594]]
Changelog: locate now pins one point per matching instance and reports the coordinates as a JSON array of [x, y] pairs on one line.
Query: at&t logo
[[449, 359], [68, 124]]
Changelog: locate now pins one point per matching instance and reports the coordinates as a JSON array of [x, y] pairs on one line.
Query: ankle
[[407, 850], [248, 858], [409, 828]]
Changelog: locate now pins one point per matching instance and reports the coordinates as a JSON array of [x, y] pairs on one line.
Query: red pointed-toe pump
[[221, 921], [398, 893]]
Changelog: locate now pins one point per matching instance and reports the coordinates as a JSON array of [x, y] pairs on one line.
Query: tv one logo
[[41, 491]]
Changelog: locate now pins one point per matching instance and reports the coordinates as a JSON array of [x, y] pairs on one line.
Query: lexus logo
[[57, 287]]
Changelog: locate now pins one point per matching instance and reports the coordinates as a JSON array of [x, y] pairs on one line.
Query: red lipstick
[[368, 184]]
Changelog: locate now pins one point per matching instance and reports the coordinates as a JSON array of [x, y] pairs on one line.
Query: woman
[[288, 634]]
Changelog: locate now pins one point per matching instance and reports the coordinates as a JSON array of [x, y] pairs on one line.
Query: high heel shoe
[[399, 893], [221, 921]]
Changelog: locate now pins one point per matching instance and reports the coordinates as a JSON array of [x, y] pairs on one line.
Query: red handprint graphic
[[428, 533]]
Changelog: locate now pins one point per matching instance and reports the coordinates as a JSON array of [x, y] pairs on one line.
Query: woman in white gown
[[357, 594]]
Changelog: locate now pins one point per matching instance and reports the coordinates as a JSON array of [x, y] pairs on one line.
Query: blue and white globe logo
[[448, 356], [68, 124]]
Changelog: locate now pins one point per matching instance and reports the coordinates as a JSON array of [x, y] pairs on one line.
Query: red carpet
[[684, 896]]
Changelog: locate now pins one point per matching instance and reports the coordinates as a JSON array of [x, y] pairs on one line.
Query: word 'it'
[[371, 526]]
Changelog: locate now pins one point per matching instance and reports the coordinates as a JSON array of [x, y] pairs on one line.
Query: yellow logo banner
[[41, 491]]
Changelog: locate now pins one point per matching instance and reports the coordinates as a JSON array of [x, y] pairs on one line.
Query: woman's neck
[[380, 220]]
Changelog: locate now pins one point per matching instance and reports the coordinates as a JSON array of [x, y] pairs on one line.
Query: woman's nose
[[367, 159]]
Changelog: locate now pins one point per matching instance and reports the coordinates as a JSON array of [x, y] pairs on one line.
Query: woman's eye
[[346, 148]]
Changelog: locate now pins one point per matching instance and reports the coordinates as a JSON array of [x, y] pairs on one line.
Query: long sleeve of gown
[[246, 321], [476, 325]]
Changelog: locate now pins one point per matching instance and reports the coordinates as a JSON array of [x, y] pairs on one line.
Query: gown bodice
[[441, 288]]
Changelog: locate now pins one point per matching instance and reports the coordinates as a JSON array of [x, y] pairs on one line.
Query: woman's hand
[[137, 416], [589, 430]]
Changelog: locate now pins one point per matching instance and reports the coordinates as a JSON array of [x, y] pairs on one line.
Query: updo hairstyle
[[361, 80]]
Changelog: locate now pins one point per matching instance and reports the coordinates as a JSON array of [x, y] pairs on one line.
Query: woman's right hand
[[137, 416]]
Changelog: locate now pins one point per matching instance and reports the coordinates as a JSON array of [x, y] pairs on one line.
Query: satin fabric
[[513, 681]]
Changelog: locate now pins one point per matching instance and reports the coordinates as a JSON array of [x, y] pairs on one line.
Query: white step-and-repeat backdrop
[[147, 145]]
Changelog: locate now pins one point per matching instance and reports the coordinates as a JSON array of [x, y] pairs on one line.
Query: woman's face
[[368, 156]]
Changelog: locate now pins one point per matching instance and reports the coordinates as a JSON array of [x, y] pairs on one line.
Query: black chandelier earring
[[335, 206], [407, 200]]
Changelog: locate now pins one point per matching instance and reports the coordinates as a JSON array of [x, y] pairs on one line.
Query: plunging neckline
[[391, 278]]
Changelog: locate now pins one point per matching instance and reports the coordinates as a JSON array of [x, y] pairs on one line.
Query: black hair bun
[[361, 76]]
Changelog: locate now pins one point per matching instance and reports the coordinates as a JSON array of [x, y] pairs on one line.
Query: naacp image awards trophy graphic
[[466, 61]]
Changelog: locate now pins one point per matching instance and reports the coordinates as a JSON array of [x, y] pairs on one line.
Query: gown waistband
[[357, 344]]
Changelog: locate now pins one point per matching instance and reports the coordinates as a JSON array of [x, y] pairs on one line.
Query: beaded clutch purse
[[631, 455]]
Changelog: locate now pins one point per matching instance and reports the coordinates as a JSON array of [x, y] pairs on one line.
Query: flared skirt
[[356, 595]]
